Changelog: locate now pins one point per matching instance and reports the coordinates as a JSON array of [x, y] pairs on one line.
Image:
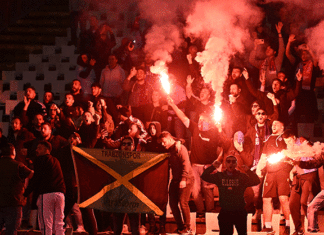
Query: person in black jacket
[[48, 184], [231, 185]]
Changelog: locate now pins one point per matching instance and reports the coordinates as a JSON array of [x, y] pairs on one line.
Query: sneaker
[[80, 230], [299, 232], [313, 230], [287, 230], [268, 230], [142, 230]]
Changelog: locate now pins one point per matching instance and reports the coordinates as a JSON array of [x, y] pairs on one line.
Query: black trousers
[[228, 219]]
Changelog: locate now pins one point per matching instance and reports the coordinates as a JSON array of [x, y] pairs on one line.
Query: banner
[[121, 181]]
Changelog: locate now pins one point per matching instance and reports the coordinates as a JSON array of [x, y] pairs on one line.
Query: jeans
[[313, 208], [180, 195], [205, 190], [51, 213], [300, 194], [10, 217]]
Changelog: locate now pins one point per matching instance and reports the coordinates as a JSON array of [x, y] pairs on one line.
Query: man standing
[[206, 138], [276, 182], [181, 183], [29, 107], [48, 184], [12, 186], [231, 185], [305, 185], [111, 80]]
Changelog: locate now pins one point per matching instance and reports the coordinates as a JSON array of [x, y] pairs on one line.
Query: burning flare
[[275, 158], [164, 78], [218, 114]]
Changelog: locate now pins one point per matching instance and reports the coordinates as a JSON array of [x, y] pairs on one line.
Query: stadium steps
[[28, 35]]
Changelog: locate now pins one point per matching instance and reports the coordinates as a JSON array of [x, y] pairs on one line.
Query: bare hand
[[238, 146], [245, 73], [182, 184], [292, 38], [189, 58], [279, 26], [92, 62], [245, 168], [216, 164], [26, 101], [96, 118], [299, 75], [262, 77], [102, 102], [170, 101], [133, 72], [270, 96], [90, 104], [189, 79]]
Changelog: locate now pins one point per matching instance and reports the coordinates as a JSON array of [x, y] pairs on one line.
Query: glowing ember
[[275, 158], [164, 78], [218, 114]]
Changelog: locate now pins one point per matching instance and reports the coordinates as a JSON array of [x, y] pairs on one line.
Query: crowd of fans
[[116, 101]]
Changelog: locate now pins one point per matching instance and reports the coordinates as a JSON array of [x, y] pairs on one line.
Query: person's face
[[48, 97], [236, 73], [275, 86], [204, 94], [155, 96], [126, 145], [84, 58], [277, 128], [269, 52], [46, 131], [166, 142], [87, 118], [76, 86], [52, 112], [41, 150], [193, 51], [133, 130], [152, 130], [234, 90], [290, 141], [304, 56], [16, 125], [261, 116], [38, 120], [204, 123], [230, 163], [255, 107], [282, 77], [98, 106], [69, 100], [30, 93], [95, 91], [93, 22], [140, 75], [112, 61]]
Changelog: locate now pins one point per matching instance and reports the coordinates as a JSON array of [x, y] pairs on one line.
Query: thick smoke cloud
[[315, 37], [224, 26], [304, 150], [165, 34]]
